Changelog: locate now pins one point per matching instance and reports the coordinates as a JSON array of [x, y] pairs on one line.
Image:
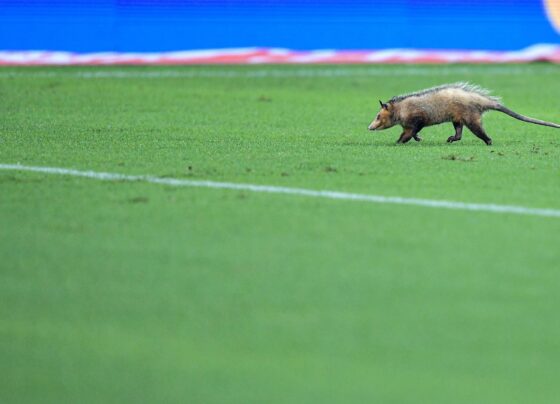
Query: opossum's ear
[[384, 106]]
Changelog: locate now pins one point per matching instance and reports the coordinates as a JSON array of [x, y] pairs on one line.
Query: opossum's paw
[[488, 142], [417, 138], [451, 139]]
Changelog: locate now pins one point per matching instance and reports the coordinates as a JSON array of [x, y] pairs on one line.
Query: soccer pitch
[[128, 290]]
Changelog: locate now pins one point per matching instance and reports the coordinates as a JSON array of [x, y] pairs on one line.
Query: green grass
[[122, 292]]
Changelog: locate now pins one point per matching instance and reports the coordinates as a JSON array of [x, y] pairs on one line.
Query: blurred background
[[175, 25]]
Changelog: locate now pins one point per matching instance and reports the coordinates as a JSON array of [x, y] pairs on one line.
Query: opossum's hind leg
[[475, 127], [458, 132]]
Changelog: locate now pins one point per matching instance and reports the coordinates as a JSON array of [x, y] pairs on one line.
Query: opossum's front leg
[[458, 132], [408, 134]]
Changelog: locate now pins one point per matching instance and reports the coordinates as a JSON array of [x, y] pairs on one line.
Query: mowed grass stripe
[[176, 182]]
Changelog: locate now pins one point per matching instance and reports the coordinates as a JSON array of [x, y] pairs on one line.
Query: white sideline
[[176, 182]]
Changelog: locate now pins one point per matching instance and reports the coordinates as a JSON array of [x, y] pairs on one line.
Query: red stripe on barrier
[[547, 53]]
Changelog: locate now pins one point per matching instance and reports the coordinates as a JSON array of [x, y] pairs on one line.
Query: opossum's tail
[[524, 118]]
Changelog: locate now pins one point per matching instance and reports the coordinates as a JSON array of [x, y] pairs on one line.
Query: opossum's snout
[[376, 124], [382, 119]]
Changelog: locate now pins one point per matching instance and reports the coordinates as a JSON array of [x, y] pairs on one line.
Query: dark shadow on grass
[[6, 179], [438, 144], [432, 142]]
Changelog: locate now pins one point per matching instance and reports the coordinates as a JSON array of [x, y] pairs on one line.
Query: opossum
[[459, 103]]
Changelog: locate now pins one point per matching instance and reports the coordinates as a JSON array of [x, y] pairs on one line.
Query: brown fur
[[460, 103]]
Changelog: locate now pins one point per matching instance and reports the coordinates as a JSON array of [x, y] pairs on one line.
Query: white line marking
[[176, 182], [201, 72]]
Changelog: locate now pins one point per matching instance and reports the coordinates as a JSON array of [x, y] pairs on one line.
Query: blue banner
[[167, 25]]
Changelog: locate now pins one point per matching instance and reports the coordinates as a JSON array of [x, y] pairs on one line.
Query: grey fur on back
[[465, 86]]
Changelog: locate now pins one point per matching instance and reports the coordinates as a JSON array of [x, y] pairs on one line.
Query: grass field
[[129, 291]]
